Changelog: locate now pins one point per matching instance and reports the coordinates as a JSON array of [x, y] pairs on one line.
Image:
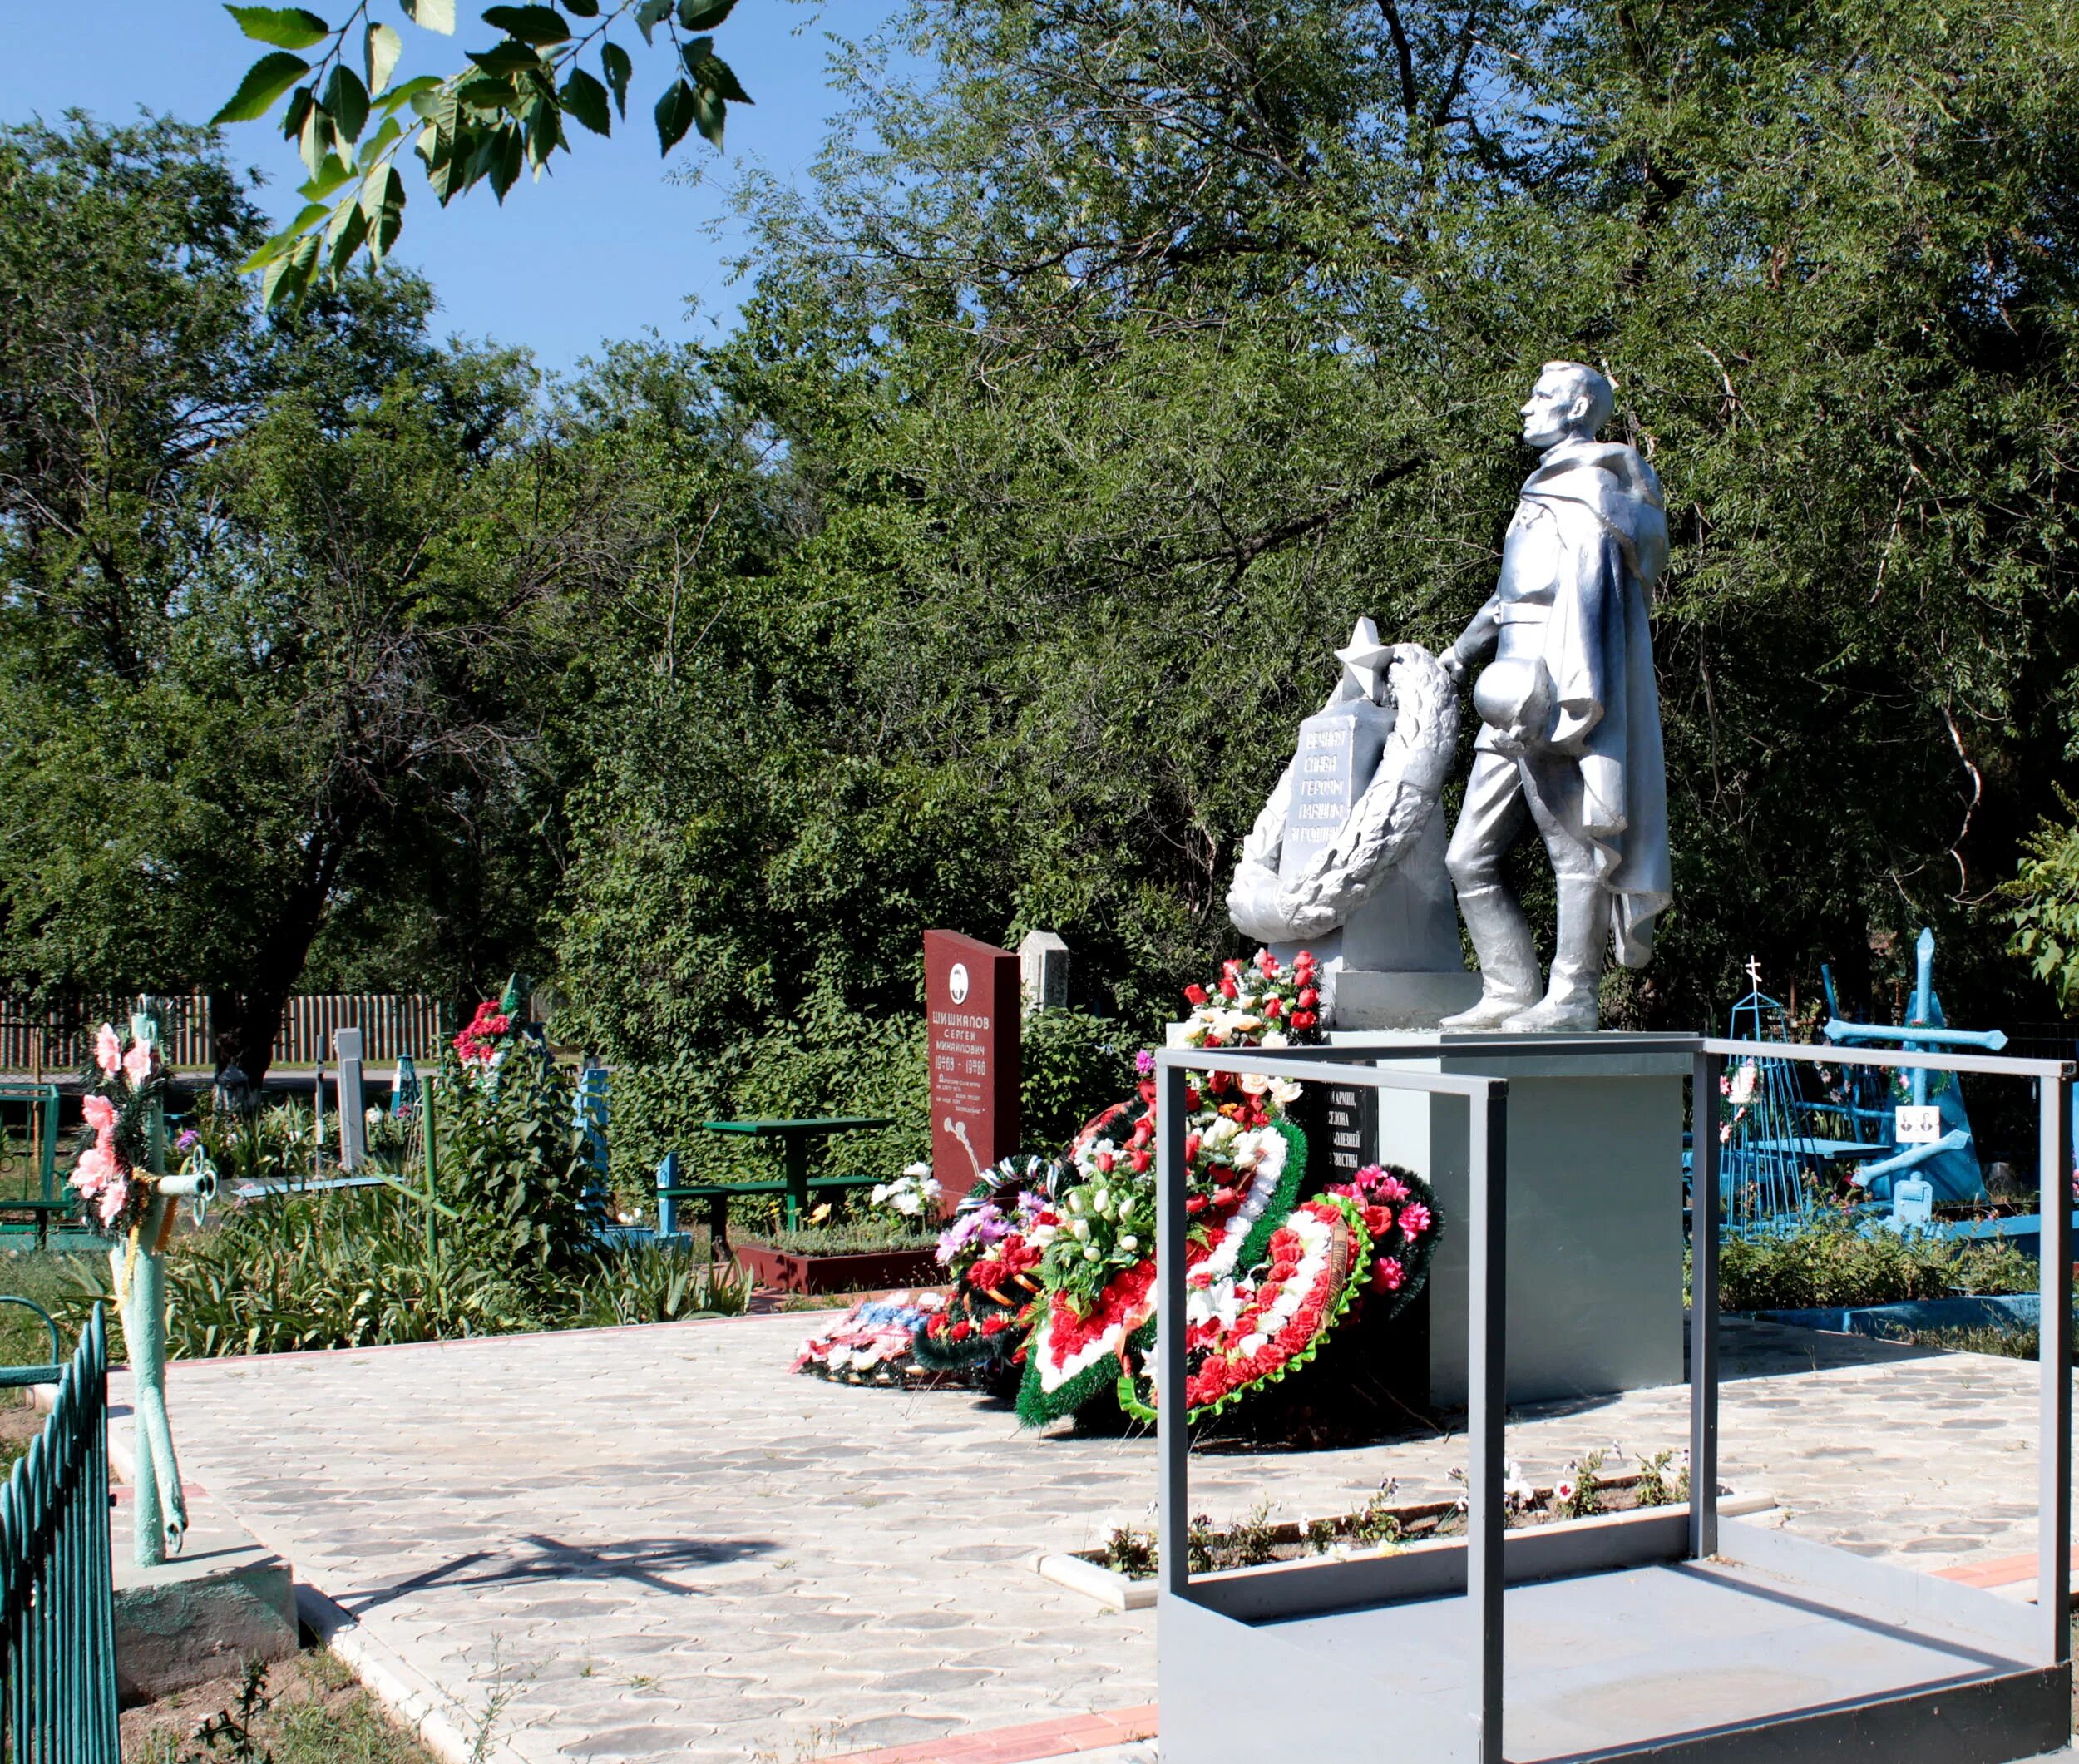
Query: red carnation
[[1105, 1162], [962, 1330], [1195, 995], [1139, 1159], [1228, 989], [1273, 1007], [1303, 1019], [1308, 997]]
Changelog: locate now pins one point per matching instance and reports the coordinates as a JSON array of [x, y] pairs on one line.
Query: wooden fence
[[391, 1024]]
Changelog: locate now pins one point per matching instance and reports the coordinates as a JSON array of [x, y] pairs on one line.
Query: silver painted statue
[[1570, 735]]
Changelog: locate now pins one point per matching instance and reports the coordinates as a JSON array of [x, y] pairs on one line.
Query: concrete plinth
[[1595, 1207], [224, 1600]]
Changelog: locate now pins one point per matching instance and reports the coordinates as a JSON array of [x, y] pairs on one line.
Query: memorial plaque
[[973, 1012], [1350, 1118], [1338, 753]]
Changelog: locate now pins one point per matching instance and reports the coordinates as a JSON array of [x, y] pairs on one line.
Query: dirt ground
[[310, 1710]]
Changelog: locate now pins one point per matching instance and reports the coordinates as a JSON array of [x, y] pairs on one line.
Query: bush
[[510, 1158], [1074, 1064], [855, 1067], [1827, 1261]]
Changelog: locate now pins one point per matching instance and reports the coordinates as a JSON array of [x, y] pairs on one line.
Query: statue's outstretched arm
[[1475, 640]]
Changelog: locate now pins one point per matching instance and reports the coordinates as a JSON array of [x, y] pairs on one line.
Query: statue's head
[[1571, 402]]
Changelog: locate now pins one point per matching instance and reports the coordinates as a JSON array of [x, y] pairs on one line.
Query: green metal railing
[[58, 1607]]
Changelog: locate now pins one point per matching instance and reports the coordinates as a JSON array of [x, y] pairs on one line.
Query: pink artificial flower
[[1391, 1188], [1414, 1218], [99, 1113], [138, 1062], [95, 1169], [108, 1051], [113, 1198], [1387, 1275]]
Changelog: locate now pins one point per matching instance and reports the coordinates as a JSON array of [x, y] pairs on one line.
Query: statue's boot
[[1509, 958], [1573, 1001]]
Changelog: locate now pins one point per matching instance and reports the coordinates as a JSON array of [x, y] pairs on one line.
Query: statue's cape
[[1611, 517]]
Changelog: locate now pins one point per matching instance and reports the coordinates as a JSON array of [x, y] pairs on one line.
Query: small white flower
[[1276, 1038], [1129, 1242], [1091, 1254], [1081, 1227], [921, 1171]]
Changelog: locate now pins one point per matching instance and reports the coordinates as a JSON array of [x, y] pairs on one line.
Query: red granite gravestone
[[973, 1012]]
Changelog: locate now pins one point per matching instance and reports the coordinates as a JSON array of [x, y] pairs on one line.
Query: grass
[[309, 1710]]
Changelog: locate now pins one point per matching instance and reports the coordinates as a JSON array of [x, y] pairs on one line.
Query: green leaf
[[540, 25], [328, 179], [614, 64], [675, 115], [383, 207], [372, 148], [649, 15], [432, 14], [380, 47], [276, 247], [507, 57], [695, 15], [710, 71], [317, 138], [585, 99], [581, 8], [348, 100], [297, 110], [265, 80], [288, 278], [409, 92], [508, 155], [285, 27], [709, 113]]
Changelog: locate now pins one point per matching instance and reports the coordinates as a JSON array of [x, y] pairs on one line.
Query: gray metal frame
[[1480, 1569]]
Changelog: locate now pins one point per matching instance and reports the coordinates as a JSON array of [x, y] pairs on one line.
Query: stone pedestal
[[1595, 1207]]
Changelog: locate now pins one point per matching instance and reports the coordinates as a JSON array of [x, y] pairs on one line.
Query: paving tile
[[753, 1566]]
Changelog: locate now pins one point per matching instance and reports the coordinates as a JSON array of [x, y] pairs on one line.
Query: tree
[[500, 114], [1118, 370], [271, 635]]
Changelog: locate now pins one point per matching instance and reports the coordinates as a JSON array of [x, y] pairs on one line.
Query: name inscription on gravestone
[[1339, 751]]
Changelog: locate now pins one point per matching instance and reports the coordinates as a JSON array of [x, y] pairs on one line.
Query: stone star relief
[[1364, 661]]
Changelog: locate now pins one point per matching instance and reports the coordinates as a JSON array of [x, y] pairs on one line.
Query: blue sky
[[601, 248]]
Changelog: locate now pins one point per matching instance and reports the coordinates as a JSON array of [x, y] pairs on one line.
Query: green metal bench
[[48, 1203], [40, 1213], [717, 1195]]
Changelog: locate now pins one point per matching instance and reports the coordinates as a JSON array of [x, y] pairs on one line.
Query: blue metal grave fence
[[57, 1611]]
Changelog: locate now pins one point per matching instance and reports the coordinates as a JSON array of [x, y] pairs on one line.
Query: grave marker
[[972, 1015], [353, 1126], [1043, 966]]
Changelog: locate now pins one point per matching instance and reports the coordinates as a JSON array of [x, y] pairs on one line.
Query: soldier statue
[[1570, 735]]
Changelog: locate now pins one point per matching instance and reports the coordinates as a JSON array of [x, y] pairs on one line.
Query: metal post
[[1172, 1434], [161, 1515], [1703, 1305], [1487, 1398], [318, 1119], [353, 1129], [667, 1208], [2053, 1537], [433, 1190], [797, 1146]]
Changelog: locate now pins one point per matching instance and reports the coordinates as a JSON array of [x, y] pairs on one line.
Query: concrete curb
[[416, 1704]]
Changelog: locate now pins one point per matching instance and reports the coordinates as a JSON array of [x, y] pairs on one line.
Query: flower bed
[[807, 1271]]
